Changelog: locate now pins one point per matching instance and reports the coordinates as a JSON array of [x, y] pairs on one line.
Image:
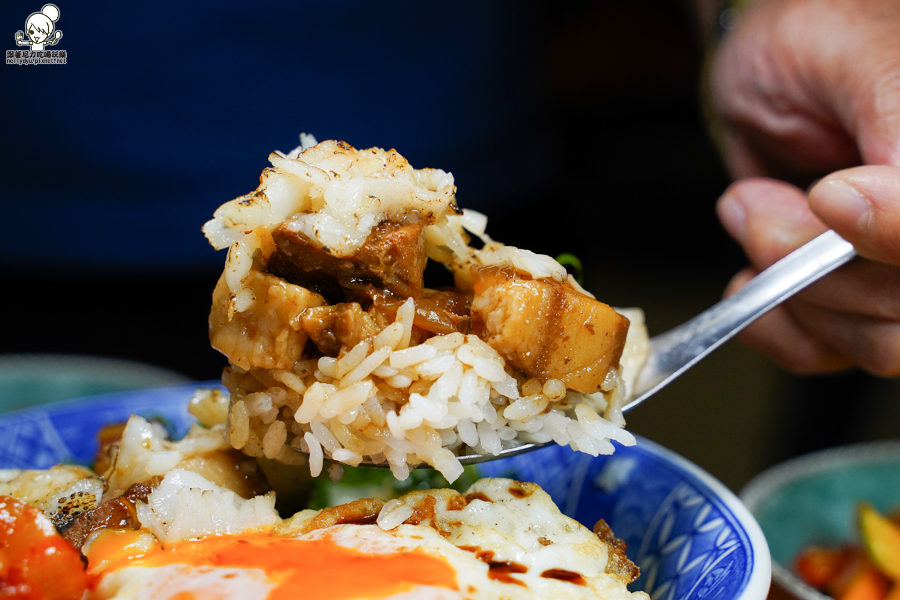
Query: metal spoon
[[677, 350]]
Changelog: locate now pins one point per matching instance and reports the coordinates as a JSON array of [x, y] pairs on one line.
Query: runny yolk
[[309, 569]]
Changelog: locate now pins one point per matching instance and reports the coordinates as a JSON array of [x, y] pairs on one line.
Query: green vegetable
[[360, 482], [573, 265]]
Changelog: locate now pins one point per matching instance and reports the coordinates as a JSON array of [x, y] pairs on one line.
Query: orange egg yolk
[[309, 569]]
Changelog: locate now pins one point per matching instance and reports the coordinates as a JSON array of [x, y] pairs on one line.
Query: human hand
[[806, 87], [850, 318]]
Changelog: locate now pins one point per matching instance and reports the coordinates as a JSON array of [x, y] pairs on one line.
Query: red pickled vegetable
[[36, 563]]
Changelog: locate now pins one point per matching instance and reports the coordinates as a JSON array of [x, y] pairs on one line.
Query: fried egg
[[501, 539], [196, 530], [340, 562]]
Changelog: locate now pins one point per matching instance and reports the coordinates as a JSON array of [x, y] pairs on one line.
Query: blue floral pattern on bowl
[[686, 532], [690, 536]]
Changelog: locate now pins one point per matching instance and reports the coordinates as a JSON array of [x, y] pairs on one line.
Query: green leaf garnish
[[573, 265]]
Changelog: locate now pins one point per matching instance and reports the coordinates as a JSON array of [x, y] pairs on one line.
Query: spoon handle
[[675, 351]]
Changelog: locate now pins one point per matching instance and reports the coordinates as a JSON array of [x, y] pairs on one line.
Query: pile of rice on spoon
[[339, 352]]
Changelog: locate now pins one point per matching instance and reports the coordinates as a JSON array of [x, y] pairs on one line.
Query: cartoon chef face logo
[[40, 29]]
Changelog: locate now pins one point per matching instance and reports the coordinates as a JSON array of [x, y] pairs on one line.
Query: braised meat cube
[[546, 328], [331, 327], [268, 334], [392, 258]]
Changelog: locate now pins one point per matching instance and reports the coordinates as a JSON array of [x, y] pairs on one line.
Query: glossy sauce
[[503, 572], [563, 575], [308, 569], [498, 571]]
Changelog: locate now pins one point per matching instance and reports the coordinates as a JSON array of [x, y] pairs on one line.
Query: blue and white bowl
[[691, 537]]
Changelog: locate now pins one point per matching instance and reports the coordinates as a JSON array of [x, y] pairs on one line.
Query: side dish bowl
[[813, 499], [691, 537]]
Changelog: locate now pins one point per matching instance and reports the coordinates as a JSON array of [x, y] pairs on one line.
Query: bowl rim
[[76, 401], [761, 486], [819, 461]]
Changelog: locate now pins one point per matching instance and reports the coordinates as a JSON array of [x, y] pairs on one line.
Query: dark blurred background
[[574, 125]]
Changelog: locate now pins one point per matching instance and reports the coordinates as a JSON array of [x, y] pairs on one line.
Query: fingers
[[780, 337], [805, 338], [862, 82], [781, 118], [771, 219], [806, 87], [872, 344], [863, 205], [851, 317], [863, 287], [768, 219]]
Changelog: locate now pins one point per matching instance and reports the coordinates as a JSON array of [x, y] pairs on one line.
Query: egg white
[[168, 581], [215, 583]]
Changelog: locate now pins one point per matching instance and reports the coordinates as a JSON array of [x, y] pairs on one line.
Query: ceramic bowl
[[30, 379], [813, 500], [691, 537]]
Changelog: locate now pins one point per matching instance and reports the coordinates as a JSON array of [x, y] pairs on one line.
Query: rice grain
[[316, 457], [239, 424], [274, 439], [393, 514]]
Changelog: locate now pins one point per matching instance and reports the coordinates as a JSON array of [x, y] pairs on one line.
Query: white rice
[[393, 514], [388, 403], [383, 400]]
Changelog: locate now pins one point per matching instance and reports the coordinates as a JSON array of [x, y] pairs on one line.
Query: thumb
[[862, 204], [768, 218]]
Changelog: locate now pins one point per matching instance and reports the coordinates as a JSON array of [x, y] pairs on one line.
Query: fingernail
[[733, 215], [841, 206]]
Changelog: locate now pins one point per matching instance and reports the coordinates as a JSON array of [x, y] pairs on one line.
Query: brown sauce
[[519, 491], [361, 520], [503, 571], [498, 571], [477, 496], [564, 575], [422, 512]]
